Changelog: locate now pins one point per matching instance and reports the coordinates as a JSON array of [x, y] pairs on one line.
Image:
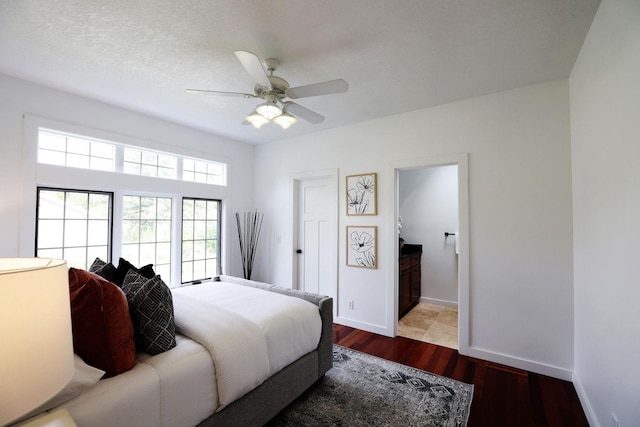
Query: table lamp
[[36, 345]]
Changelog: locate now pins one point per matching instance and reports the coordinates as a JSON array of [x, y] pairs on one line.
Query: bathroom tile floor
[[431, 323]]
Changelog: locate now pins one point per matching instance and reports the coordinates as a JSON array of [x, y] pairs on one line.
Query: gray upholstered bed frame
[[261, 404]]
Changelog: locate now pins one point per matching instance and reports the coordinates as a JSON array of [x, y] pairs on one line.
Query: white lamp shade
[[36, 354]]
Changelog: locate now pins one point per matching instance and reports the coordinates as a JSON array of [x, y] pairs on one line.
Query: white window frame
[[43, 175]]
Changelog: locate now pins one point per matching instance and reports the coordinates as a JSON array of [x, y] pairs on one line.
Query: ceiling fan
[[274, 90]]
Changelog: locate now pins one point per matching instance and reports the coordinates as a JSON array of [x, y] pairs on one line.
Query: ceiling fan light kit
[[273, 90], [256, 119], [285, 120]]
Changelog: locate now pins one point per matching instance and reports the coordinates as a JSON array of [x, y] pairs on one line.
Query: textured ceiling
[[397, 56]]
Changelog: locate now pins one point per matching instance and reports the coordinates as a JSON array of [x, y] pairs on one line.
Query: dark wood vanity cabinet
[[410, 278]]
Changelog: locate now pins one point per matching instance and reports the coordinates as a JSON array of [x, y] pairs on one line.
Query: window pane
[[99, 206], [130, 231], [130, 253], [149, 158], [94, 252], [147, 231], [78, 146], [98, 233], [52, 157], [132, 156], [148, 208], [187, 230], [100, 149], [75, 233], [163, 253], [132, 168], [187, 208], [164, 208], [147, 253], [146, 170], [78, 161], [187, 251], [131, 207], [212, 229], [51, 141], [200, 230], [76, 257], [163, 231], [50, 233], [76, 205], [51, 204]]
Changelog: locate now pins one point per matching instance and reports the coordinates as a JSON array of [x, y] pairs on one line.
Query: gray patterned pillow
[[103, 269], [151, 309]]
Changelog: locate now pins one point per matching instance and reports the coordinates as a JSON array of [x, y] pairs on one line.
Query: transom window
[[63, 149], [149, 163], [73, 151]]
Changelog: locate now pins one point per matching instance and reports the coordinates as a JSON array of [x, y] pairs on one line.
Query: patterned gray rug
[[363, 390]]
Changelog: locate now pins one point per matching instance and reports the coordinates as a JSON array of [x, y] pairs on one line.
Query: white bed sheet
[[188, 392], [250, 333], [128, 399]]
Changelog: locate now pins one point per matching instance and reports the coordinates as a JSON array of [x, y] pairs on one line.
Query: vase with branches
[[248, 233]]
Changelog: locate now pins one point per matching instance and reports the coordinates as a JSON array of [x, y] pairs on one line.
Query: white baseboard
[[525, 364], [584, 400], [440, 302]]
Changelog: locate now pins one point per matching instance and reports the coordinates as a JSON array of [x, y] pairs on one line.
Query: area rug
[[363, 390]]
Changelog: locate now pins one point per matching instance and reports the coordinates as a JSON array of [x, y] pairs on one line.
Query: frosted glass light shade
[[36, 355], [285, 120], [269, 110], [256, 119]]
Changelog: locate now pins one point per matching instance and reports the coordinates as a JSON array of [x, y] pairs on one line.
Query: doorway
[[428, 224], [462, 240]]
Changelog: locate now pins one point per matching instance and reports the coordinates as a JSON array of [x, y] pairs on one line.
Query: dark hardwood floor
[[502, 396]]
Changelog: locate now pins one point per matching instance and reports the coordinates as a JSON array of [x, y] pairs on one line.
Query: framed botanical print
[[361, 194], [362, 246]]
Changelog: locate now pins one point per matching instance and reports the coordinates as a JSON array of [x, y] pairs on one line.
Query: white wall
[[521, 278], [20, 97], [605, 128], [428, 203]]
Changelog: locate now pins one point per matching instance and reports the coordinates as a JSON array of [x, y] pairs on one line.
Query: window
[[63, 149], [68, 150], [146, 232], [200, 238], [149, 163], [122, 208], [206, 172], [73, 225]]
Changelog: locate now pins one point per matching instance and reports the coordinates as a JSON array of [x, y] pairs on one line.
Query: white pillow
[[84, 377]]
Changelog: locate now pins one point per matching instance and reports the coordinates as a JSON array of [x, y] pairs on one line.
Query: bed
[[244, 351]]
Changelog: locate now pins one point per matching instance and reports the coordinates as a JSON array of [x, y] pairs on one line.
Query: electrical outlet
[[614, 420], [351, 304]]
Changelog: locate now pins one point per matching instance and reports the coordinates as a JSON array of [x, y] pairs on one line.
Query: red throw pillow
[[102, 329]]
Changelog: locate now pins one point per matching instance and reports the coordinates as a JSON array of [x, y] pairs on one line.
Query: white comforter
[[250, 333]]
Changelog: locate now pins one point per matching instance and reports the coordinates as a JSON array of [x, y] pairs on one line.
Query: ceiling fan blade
[[220, 93], [254, 67], [303, 113], [324, 88]]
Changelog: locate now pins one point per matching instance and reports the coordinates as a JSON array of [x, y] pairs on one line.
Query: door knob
[[299, 251]]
